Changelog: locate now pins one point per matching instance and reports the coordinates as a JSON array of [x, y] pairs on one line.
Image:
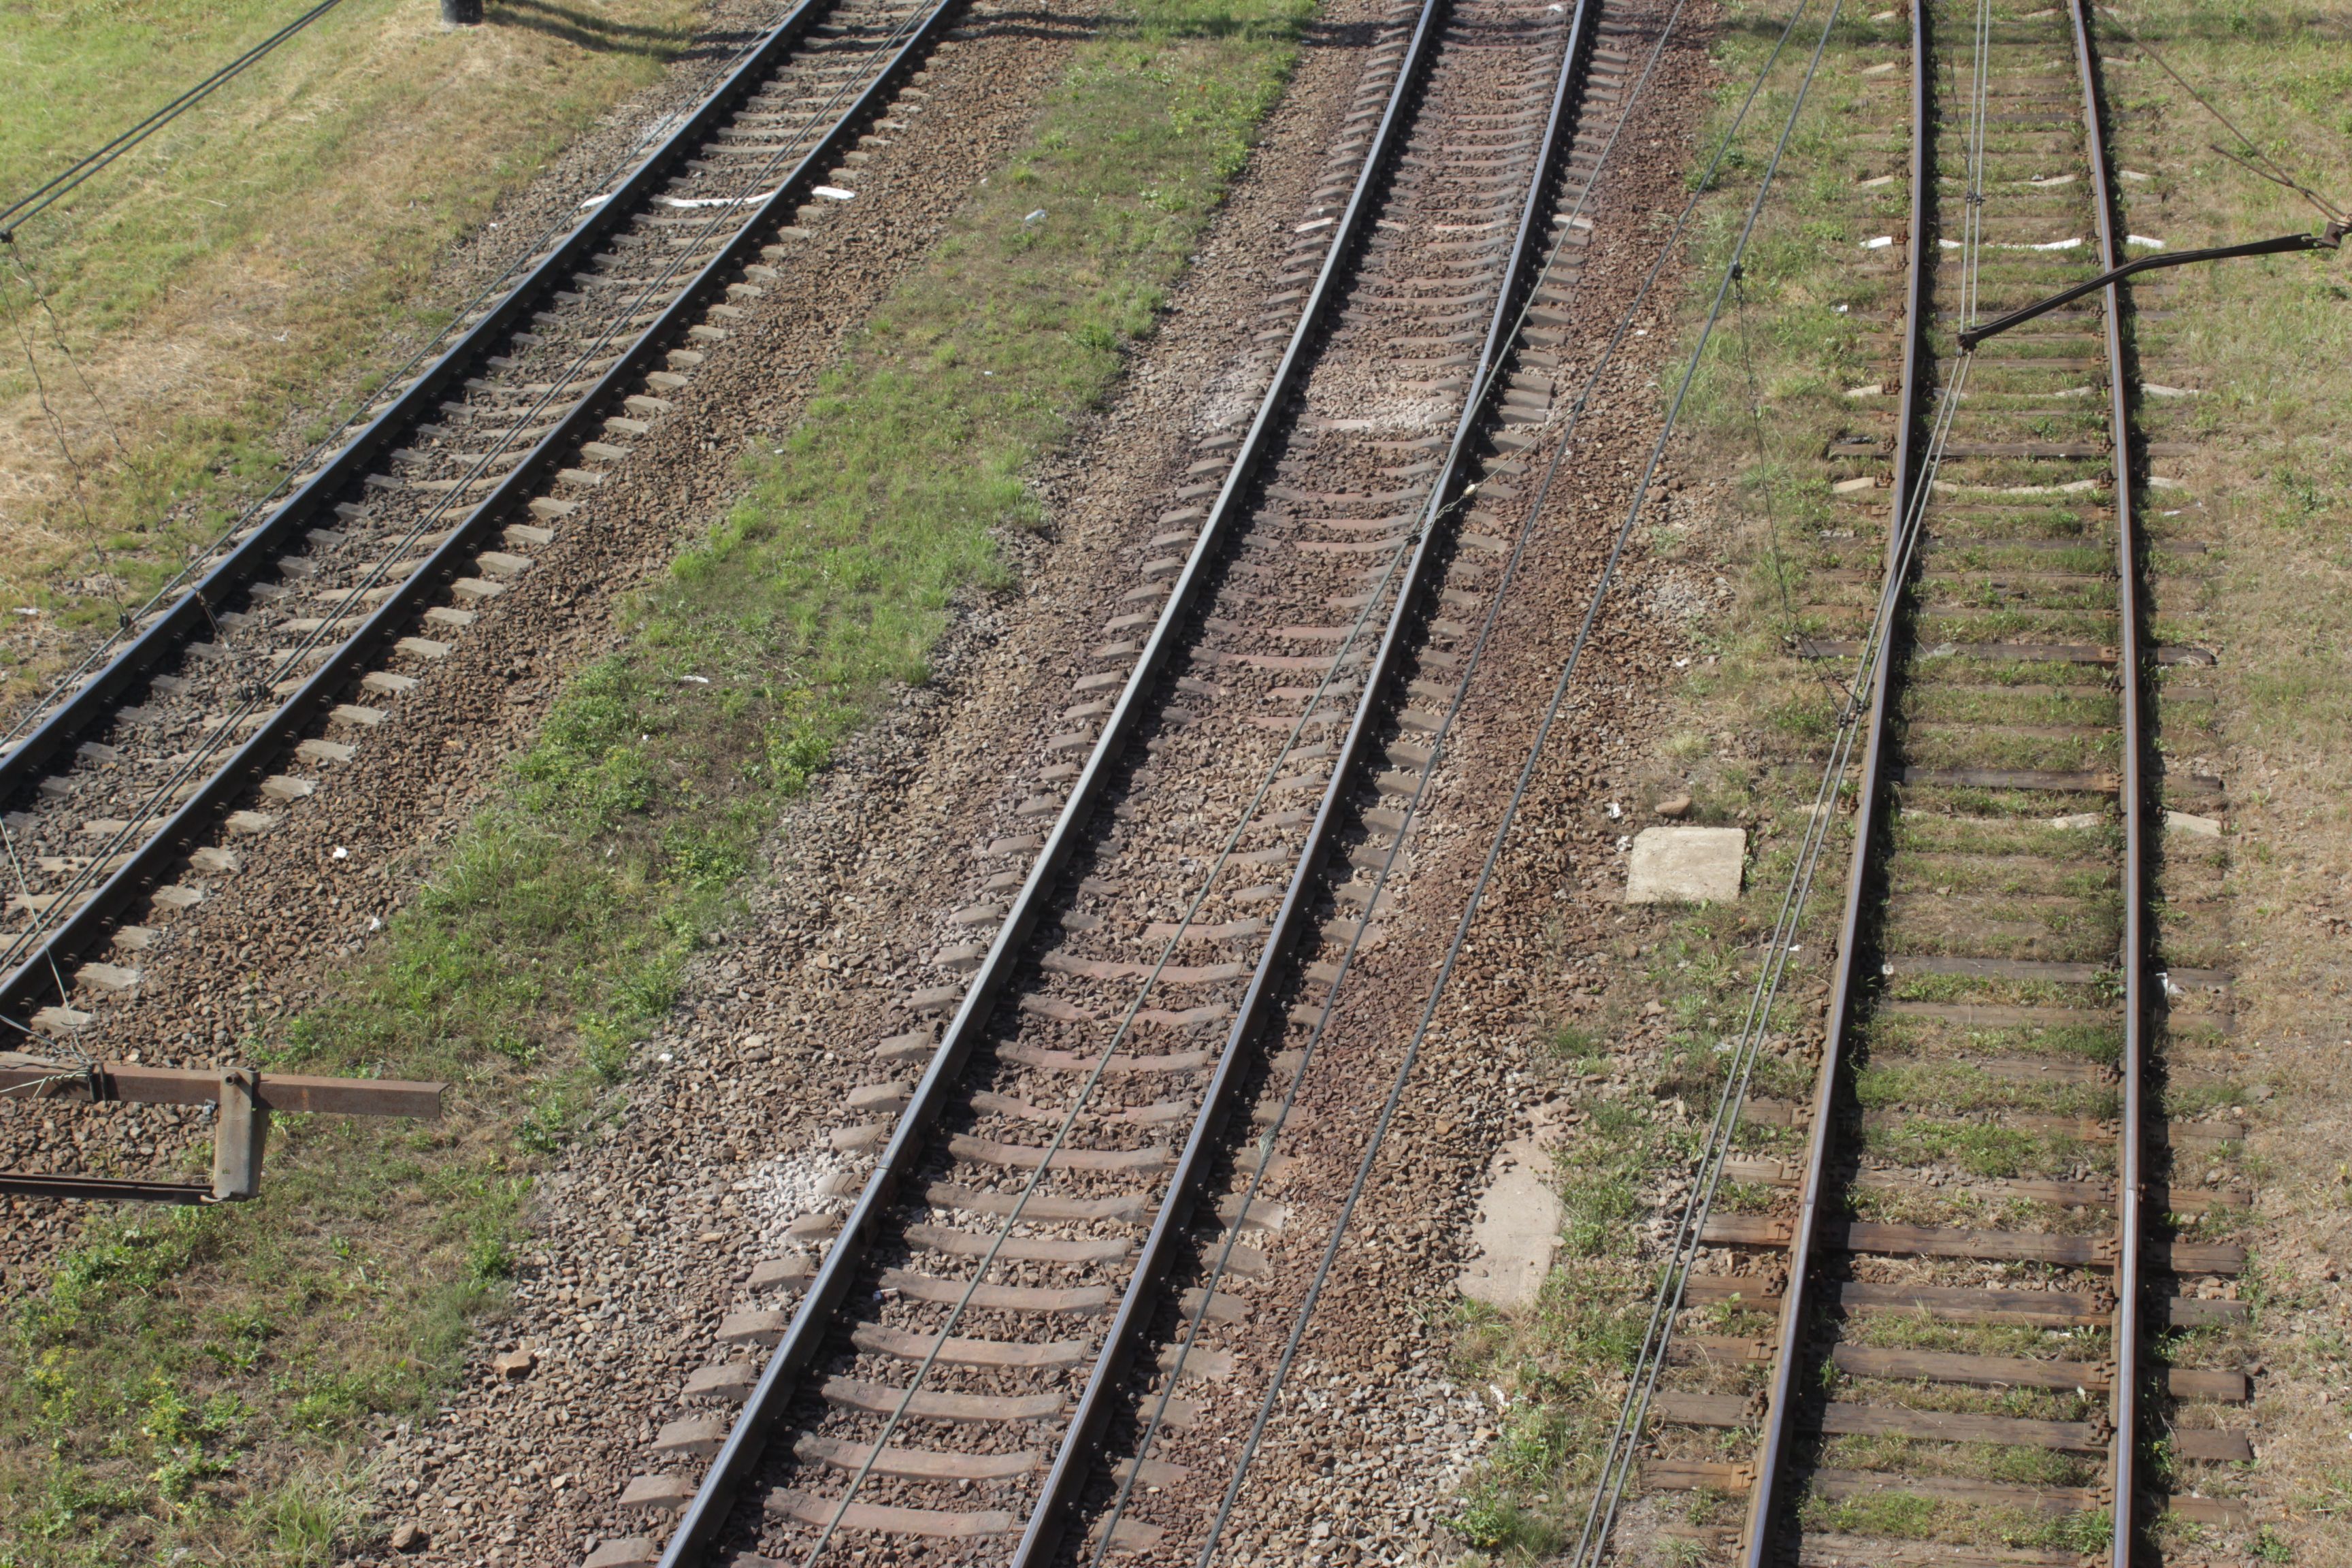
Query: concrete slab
[[1686, 866], [1517, 1229]]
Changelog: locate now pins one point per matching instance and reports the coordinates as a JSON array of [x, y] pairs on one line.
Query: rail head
[[2123, 1473], [1848, 974], [706, 1514], [35, 976]]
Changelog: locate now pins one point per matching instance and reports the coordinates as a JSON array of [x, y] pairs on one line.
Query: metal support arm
[[2333, 237]]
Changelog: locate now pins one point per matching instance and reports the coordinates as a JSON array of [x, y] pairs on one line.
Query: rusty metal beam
[[134, 1083], [41, 1185]]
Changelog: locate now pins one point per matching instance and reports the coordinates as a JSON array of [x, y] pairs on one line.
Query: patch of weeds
[[1601, 1182], [1492, 1522], [1574, 1046], [1898, 1515], [2092, 1531], [1979, 1148], [556, 933]]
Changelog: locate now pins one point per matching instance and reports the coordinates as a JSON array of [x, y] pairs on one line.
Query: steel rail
[[1074, 1463], [2123, 1476], [192, 611], [37, 974], [1870, 787], [699, 1524]]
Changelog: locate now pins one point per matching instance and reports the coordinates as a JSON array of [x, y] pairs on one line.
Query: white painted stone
[[1518, 1227], [1686, 866], [2080, 819], [2197, 827]]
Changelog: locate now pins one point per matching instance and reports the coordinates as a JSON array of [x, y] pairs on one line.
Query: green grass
[[2266, 489], [237, 271], [1743, 749], [228, 1368]]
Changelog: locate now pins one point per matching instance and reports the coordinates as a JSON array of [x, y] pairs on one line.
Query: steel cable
[[31, 205], [2272, 171]]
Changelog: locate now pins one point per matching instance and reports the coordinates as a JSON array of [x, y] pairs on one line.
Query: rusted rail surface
[[1994, 966]]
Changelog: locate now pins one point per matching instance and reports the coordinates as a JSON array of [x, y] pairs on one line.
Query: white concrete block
[[1686, 866], [1516, 1232]]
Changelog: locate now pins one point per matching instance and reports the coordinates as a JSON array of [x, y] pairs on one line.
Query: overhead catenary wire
[[65, 351], [1388, 1112], [33, 203], [1756, 1026], [2276, 174], [1871, 678]]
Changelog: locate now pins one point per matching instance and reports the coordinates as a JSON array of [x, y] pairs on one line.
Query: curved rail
[[35, 979]]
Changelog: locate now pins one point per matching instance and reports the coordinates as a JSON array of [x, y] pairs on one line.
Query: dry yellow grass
[[187, 317]]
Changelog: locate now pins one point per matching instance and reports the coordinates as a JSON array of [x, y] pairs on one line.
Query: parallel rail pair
[[1975, 1205], [1044, 1031], [580, 346]]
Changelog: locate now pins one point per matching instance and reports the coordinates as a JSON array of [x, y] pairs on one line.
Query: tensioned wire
[[1242, 822], [2270, 170], [1617, 1464], [525, 260], [193, 764], [1972, 225], [34, 203], [1231, 1238], [1387, 1115]]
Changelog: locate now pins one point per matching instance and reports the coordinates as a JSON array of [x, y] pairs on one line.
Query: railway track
[[128, 791], [950, 1355], [1953, 1319]]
